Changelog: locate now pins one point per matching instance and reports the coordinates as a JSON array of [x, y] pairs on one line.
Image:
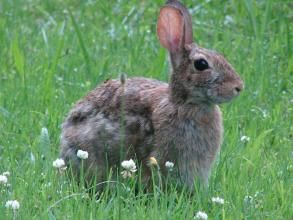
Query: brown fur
[[180, 122]]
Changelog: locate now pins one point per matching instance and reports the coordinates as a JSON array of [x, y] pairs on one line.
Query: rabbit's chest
[[199, 137], [194, 136], [187, 135]]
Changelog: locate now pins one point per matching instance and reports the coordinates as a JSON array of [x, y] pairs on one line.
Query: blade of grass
[[19, 62], [81, 43]]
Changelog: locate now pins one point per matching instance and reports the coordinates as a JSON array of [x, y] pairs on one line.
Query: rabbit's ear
[[174, 27]]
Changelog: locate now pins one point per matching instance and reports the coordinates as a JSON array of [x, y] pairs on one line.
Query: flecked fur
[[142, 118]]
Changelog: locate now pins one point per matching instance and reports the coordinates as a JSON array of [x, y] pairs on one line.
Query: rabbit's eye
[[201, 64]]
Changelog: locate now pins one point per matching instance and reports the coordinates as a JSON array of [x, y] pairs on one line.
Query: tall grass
[[54, 52]]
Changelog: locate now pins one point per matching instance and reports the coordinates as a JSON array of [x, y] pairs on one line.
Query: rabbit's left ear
[[174, 27]]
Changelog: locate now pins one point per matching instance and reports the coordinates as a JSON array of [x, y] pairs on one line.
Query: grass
[[54, 52]]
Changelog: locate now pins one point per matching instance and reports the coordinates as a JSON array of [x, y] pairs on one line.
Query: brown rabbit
[[142, 118]]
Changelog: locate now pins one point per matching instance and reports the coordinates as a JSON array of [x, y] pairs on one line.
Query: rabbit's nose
[[238, 88]]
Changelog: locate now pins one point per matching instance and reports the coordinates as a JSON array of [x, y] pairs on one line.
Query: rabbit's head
[[199, 75]]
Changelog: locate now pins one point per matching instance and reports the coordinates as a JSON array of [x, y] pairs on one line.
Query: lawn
[[54, 52]]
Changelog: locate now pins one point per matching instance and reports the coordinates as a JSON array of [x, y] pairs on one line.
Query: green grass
[[54, 52]]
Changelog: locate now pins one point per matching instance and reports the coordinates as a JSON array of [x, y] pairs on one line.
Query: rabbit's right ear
[[170, 29], [174, 28]]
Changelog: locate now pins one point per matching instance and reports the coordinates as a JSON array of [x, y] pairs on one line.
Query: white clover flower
[[13, 204], [3, 179], [265, 114], [129, 167], [248, 199], [82, 154], [6, 173], [201, 215], [228, 20], [44, 132], [59, 163], [169, 165], [218, 200], [245, 138]]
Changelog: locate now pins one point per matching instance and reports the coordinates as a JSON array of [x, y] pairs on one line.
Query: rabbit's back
[[112, 122]]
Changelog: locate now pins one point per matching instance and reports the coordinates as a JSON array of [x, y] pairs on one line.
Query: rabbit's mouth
[[211, 95], [222, 95], [221, 99]]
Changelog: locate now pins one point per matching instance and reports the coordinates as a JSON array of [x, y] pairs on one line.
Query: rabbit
[[140, 118]]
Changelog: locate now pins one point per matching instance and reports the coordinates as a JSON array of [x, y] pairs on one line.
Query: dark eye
[[201, 64]]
